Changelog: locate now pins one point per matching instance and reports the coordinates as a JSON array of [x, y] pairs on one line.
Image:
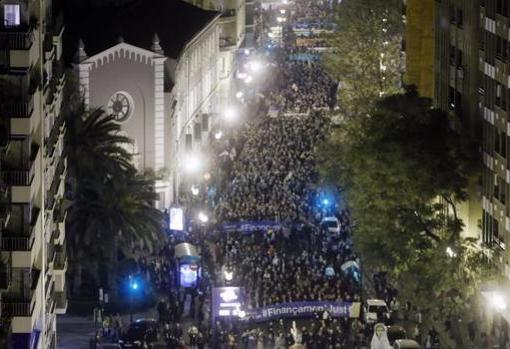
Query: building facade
[[456, 89], [161, 87], [33, 169]]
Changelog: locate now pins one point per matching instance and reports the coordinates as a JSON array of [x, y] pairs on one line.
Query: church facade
[[160, 88]]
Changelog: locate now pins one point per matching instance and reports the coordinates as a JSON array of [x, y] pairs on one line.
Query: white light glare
[[230, 114], [239, 95], [218, 135], [203, 217], [255, 66], [282, 11], [497, 301], [195, 190], [193, 163], [229, 275], [248, 79], [450, 253]]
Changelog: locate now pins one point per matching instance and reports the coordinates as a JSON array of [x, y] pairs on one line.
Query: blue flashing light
[[134, 285], [325, 202]]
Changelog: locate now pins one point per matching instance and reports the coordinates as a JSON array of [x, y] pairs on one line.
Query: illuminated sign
[[227, 301], [189, 274], [176, 218]]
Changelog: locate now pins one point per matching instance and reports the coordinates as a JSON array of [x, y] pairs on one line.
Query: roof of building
[[175, 22]]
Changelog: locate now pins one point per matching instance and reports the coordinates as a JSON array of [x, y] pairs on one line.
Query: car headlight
[[121, 341]]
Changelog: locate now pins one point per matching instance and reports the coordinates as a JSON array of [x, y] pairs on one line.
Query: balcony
[[17, 38], [18, 109], [61, 301], [13, 242], [21, 303], [60, 262], [5, 275], [52, 192]]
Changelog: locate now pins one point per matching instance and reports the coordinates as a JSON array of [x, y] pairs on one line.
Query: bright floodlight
[[239, 95], [279, 19], [247, 52], [203, 217], [325, 202], [497, 301], [230, 114], [218, 135], [229, 275], [192, 163], [241, 313], [241, 76], [134, 285], [248, 79], [285, 2], [282, 11]]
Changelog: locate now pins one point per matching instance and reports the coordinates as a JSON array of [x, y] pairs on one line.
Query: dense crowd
[[303, 86], [272, 175], [289, 265]]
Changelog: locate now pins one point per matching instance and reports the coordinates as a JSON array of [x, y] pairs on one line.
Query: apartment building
[[456, 82], [32, 172]]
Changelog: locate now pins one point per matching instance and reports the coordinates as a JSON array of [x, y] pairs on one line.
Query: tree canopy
[[405, 171], [366, 54]]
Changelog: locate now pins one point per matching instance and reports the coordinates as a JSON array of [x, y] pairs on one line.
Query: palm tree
[[112, 213]]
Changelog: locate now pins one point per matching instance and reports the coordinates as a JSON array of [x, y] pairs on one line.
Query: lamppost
[[134, 286]]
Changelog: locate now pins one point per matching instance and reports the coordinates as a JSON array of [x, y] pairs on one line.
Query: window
[[197, 132], [452, 54], [188, 143], [460, 18], [500, 189], [502, 7], [501, 96], [458, 60], [452, 14], [500, 143], [11, 15], [501, 48]]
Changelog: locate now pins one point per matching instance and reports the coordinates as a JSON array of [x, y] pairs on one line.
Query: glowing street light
[[193, 163], [202, 217], [280, 19], [218, 135], [497, 301], [230, 114], [195, 190], [282, 11], [248, 79], [255, 66], [239, 94]]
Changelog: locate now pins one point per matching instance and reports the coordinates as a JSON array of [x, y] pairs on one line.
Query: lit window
[[11, 15]]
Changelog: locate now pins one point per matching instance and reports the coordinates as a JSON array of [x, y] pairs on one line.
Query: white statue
[[297, 336], [380, 338]]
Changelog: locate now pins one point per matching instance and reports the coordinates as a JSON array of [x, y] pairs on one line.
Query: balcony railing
[[21, 109], [17, 178], [61, 299], [21, 303], [19, 242], [50, 196], [18, 38], [60, 258], [5, 276]]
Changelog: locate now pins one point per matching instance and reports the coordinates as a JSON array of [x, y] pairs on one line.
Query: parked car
[[141, 334], [395, 332], [332, 224], [406, 344], [375, 310]]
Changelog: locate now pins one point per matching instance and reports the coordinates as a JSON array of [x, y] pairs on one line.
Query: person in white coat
[[380, 338]]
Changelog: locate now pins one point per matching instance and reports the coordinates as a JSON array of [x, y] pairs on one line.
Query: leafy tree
[[405, 172], [112, 214], [366, 56]]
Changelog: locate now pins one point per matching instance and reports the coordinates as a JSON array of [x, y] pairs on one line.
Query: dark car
[[395, 332], [141, 334]]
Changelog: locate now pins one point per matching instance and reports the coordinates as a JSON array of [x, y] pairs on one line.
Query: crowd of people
[[302, 263], [271, 176]]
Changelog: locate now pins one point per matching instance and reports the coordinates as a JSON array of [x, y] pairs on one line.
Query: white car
[[372, 308], [332, 223]]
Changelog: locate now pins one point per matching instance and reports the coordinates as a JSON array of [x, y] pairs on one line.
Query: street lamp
[[202, 217], [195, 190], [230, 114], [134, 287], [497, 301], [193, 163]]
